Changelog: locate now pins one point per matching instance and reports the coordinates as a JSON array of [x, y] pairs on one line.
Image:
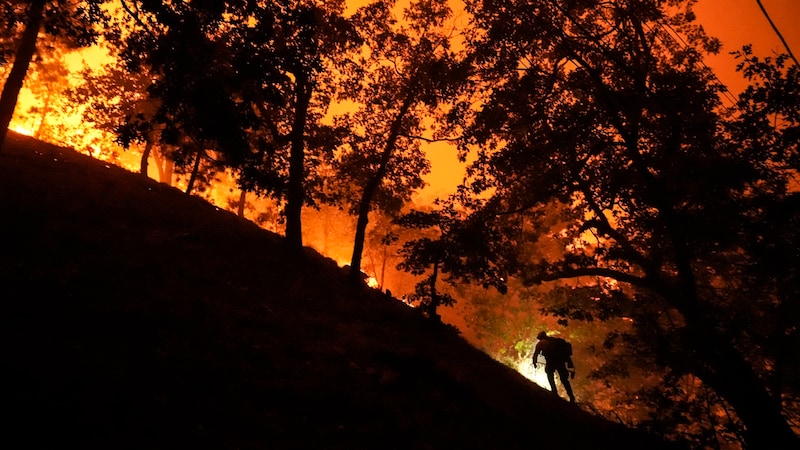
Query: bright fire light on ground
[[23, 130], [369, 279], [525, 367]]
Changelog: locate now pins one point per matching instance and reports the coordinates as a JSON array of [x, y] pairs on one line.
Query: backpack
[[562, 348], [559, 351]]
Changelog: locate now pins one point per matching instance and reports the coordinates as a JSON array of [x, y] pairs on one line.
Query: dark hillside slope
[[136, 317]]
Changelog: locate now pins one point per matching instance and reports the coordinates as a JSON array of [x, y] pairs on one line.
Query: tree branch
[[431, 140], [135, 16], [605, 272]]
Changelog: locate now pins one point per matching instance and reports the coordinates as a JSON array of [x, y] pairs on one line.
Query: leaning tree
[[250, 81], [407, 72]]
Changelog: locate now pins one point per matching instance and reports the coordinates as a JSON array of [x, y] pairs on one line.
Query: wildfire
[[369, 279], [525, 367], [23, 130]]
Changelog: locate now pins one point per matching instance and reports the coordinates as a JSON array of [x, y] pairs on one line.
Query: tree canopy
[[75, 24], [599, 150], [600, 108]]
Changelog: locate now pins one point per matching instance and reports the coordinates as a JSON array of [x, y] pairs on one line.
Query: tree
[[457, 248], [13, 84], [192, 105], [308, 43], [47, 80], [408, 70], [79, 23], [767, 126], [598, 107], [117, 103], [424, 254], [268, 65]]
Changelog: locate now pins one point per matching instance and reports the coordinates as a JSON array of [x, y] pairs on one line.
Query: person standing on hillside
[[558, 358]]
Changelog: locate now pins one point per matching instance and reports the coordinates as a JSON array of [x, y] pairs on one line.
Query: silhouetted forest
[[613, 188]]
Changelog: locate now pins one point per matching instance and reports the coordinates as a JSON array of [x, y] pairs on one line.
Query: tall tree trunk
[[725, 370], [383, 266], [295, 195], [160, 160], [43, 116], [195, 170], [242, 200], [168, 172], [148, 148], [372, 187], [8, 99], [432, 308], [721, 365]]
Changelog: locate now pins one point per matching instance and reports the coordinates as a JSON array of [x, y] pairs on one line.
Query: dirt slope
[[134, 316]]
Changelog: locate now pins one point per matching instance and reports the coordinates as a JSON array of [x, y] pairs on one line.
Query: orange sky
[[734, 22], [739, 22]]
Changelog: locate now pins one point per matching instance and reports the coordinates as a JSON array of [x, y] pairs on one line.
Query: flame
[[372, 282], [23, 130], [369, 279]]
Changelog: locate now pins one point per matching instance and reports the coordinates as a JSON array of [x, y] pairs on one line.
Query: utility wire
[[668, 30], [679, 40], [775, 28]]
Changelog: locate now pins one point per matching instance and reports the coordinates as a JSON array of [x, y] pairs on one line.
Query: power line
[[676, 37], [775, 28], [679, 40]]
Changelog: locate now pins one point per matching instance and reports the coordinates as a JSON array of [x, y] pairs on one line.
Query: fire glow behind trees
[[604, 80]]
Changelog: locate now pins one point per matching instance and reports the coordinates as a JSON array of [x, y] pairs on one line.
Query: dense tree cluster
[[599, 150], [74, 24]]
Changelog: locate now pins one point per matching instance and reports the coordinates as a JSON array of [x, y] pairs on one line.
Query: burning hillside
[[139, 317]]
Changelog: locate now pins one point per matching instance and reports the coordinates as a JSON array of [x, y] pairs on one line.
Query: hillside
[[136, 317]]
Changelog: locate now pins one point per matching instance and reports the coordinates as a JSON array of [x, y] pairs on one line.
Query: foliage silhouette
[[76, 23], [599, 109]]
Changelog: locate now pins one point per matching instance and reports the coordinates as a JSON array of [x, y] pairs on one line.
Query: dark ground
[[136, 317]]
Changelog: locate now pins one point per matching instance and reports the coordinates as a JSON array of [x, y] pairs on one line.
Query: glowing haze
[[740, 22], [734, 22]]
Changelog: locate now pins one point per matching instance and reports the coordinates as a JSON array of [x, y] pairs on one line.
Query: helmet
[[541, 335]]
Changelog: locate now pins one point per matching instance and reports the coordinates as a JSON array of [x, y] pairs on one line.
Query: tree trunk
[[372, 187], [383, 266], [295, 195], [195, 170], [169, 170], [8, 99], [729, 372], [432, 308], [43, 116], [148, 148], [160, 160], [722, 367], [242, 199]]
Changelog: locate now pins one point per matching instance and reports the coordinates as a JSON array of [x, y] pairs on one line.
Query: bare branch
[[431, 140]]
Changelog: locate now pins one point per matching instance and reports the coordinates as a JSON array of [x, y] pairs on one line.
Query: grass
[[137, 317]]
